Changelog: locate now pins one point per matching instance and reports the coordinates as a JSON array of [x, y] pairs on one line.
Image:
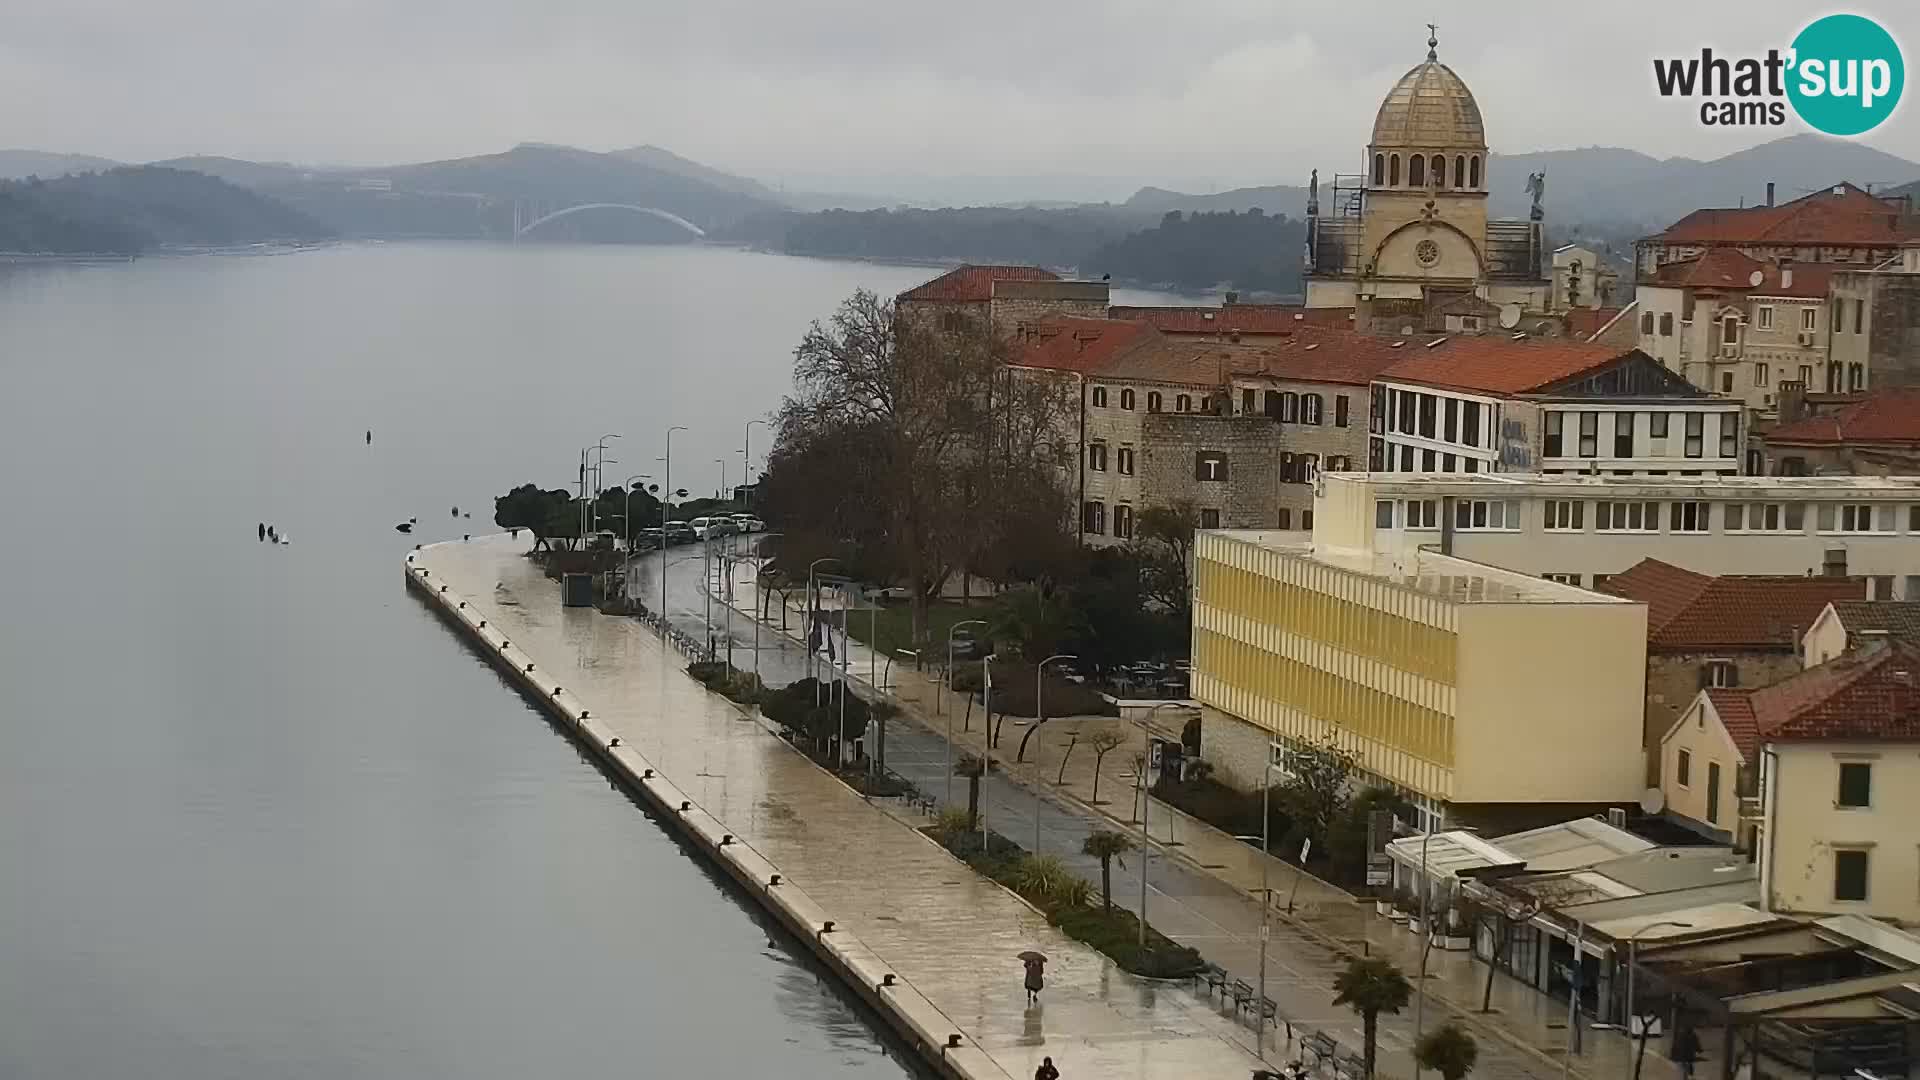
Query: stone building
[[1410, 233], [1582, 279], [1233, 322], [1846, 625], [1843, 224], [1705, 631], [1740, 326], [1008, 297], [1877, 434]]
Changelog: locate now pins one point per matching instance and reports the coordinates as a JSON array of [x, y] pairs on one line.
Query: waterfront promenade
[[950, 936]]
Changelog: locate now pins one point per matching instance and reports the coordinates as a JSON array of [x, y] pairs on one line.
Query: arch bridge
[[521, 229]]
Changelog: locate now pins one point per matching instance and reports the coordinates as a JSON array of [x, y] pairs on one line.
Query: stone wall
[[1023, 303], [1673, 680], [1326, 440], [1249, 446], [1236, 749]]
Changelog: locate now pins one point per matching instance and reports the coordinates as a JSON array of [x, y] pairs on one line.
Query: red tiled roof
[[1723, 268], [1871, 695], [975, 283], [1735, 709], [1900, 618], [1584, 322], [1890, 416], [1314, 354], [1236, 318], [1689, 612], [1083, 345], [1843, 216], [1501, 365]]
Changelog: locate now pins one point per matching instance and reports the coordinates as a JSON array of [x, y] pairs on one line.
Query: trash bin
[[576, 590]]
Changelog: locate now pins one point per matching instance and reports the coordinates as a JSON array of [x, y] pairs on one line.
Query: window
[[1856, 785], [1247, 402], [1416, 171], [1564, 579], [1427, 461], [1423, 514], [1310, 408], [1809, 318], [1439, 167], [1099, 397], [1286, 519], [1450, 430], [1913, 525], [1379, 168], [1288, 473], [1759, 374], [1626, 516], [1471, 464], [1796, 517], [1856, 377], [1646, 324], [1683, 769], [1340, 410], [1429, 407], [1406, 459], [1713, 792], [1564, 515], [1755, 517], [1306, 519], [1210, 465], [1623, 434], [1486, 514], [1849, 874], [1460, 170], [1097, 456], [1393, 170], [1449, 462], [1687, 517], [1124, 460], [1153, 401], [1763, 318], [1123, 521], [1589, 434], [1473, 175], [1126, 399], [1409, 402], [1183, 403], [1729, 435], [1094, 518], [1470, 423], [1720, 674], [1657, 425], [1806, 375], [1383, 514], [1209, 519], [1666, 324], [1859, 313], [1309, 464], [1726, 382], [1289, 407], [1854, 518], [1696, 428]]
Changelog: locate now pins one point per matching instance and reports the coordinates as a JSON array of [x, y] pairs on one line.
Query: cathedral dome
[[1428, 109]]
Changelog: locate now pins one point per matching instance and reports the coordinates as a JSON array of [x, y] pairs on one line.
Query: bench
[[1214, 976], [1321, 1046], [1270, 1012], [1350, 1067], [1242, 993]]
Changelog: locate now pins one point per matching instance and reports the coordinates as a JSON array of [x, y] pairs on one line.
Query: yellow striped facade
[[1312, 652]]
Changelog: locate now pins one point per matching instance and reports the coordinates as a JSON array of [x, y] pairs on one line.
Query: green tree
[[1370, 986], [1039, 620], [1163, 544], [1317, 794], [1104, 742], [973, 767], [1106, 846], [1447, 1050], [546, 514]]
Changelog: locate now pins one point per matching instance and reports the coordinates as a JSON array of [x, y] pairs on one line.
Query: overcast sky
[[1059, 98]]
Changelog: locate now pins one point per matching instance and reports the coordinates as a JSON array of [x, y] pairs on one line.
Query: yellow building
[[1456, 682]]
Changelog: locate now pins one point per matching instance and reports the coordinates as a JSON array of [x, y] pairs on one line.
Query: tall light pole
[[1266, 892], [600, 450], [1633, 946], [936, 696], [746, 456], [756, 603], [722, 462], [1426, 933], [666, 501], [1146, 755], [813, 620], [1039, 748]]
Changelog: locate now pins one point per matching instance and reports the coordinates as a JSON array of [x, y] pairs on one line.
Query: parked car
[[707, 528], [747, 523], [649, 539], [968, 647], [681, 532]]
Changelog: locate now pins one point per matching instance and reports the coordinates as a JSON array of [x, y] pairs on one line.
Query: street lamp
[[600, 450], [813, 620], [1146, 754], [937, 696], [1039, 748], [1426, 930], [1266, 893], [666, 501], [1633, 949], [746, 455], [764, 537]]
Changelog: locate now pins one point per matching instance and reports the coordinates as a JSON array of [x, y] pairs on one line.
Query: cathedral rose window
[[1427, 252]]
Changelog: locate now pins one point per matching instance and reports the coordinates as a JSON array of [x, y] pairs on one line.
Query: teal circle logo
[[1846, 75]]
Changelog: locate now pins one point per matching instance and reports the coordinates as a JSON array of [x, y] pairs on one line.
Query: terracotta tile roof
[[975, 283], [1314, 354], [1083, 345], [1723, 268], [1689, 612], [1584, 322], [1891, 415], [1899, 618], [1870, 695], [1735, 709], [1236, 318], [1842, 216], [1501, 365]]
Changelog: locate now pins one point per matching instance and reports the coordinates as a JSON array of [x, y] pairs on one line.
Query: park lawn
[[893, 626]]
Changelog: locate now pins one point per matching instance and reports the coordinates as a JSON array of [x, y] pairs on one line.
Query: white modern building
[[1582, 529]]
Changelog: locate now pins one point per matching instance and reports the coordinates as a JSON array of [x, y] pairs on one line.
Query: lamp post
[[764, 537], [1633, 947], [936, 698], [746, 455], [666, 501], [1039, 748], [813, 620], [600, 450], [1426, 931], [722, 493], [1146, 754], [1266, 892]]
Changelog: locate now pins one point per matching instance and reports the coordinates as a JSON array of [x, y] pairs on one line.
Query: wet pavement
[[950, 933]]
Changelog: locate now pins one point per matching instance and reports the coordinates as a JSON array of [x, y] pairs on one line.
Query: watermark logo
[[1842, 75]]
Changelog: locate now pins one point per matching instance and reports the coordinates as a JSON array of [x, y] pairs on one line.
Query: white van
[[707, 528]]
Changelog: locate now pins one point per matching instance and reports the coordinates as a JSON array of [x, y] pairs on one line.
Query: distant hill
[[1613, 186], [667, 161], [20, 164], [251, 174], [1057, 238], [141, 208]]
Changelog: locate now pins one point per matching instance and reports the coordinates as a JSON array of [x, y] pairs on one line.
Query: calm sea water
[[260, 814]]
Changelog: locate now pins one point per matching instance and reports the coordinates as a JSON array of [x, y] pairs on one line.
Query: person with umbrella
[[1036, 980], [1046, 1071]]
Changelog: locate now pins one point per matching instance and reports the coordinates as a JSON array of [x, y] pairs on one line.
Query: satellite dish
[[1509, 316], [1756, 277], [1653, 800]]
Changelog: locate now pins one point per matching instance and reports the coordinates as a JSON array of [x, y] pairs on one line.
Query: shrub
[[1117, 933], [1046, 878], [951, 823], [1013, 692]]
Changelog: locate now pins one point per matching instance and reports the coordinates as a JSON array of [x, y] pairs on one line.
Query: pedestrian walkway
[[949, 933], [1214, 906]]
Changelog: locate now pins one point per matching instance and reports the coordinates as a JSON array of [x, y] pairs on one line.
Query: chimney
[[1769, 193], [1232, 297]]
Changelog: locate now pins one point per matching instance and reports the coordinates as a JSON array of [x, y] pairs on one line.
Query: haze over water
[[260, 814]]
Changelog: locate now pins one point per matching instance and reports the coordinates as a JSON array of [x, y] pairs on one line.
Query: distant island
[[135, 209]]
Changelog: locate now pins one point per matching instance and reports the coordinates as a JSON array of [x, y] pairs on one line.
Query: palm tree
[[1447, 1050], [973, 767], [1371, 986], [1106, 846]]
